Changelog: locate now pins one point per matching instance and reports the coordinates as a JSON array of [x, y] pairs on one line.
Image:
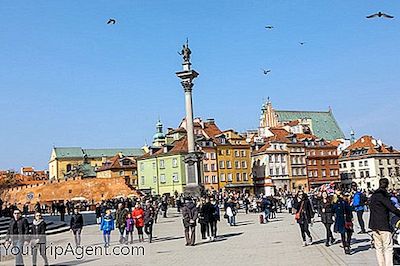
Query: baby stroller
[[395, 223]]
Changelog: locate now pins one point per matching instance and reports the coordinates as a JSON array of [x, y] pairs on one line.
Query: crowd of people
[[336, 206]]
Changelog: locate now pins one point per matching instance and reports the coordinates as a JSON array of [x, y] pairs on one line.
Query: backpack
[[363, 199]]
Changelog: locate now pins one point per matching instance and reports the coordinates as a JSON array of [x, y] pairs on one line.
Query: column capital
[[187, 85]]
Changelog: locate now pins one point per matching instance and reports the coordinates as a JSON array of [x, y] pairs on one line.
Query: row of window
[[322, 153], [229, 177], [161, 163], [298, 159], [238, 153], [389, 161], [332, 173], [277, 171], [277, 158], [163, 179], [299, 171], [323, 162], [298, 149]]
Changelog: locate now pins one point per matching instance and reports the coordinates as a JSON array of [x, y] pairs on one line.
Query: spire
[[352, 138]]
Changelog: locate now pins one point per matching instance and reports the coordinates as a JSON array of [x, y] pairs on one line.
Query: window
[[310, 173], [380, 162], [154, 165], [229, 177], [322, 162], [352, 164], [315, 173], [315, 162], [69, 167], [205, 168], [243, 153], [221, 152], [277, 170], [207, 156], [388, 161], [360, 163], [142, 180], [236, 153], [222, 164], [222, 177], [213, 168], [271, 171], [245, 177], [162, 164], [206, 179], [361, 174], [214, 179], [344, 165], [175, 177], [213, 156], [244, 164], [154, 179], [228, 164], [323, 173], [331, 173], [382, 172], [366, 173], [283, 170], [365, 163], [237, 165], [238, 177], [228, 152], [162, 178], [121, 173], [174, 162]]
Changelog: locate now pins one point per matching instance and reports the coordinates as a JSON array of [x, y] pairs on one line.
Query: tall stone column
[[193, 161]]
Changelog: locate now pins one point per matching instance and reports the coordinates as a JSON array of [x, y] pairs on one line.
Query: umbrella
[[78, 198]]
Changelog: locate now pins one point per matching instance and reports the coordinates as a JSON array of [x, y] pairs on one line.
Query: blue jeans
[[232, 220], [106, 237], [17, 247], [266, 212]]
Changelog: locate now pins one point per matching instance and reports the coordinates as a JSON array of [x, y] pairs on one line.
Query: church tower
[[268, 118], [159, 137]]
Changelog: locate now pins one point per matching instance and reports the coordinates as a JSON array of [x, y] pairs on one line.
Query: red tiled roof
[[370, 144], [115, 163]]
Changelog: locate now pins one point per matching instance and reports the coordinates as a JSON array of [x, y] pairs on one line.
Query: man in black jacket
[[18, 235], [380, 207], [189, 216]]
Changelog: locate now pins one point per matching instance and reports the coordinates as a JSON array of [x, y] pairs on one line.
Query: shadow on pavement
[[168, 238], [73, 262], [361, 248]]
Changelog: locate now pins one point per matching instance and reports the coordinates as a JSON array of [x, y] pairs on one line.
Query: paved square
[[248, 243]]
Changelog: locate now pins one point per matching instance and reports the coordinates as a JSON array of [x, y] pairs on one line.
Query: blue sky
[[68, 79]]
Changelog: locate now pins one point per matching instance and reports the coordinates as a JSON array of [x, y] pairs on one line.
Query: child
[[107, 225], [129, 227]]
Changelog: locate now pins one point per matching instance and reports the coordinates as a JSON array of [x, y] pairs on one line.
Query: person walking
[[106, 226], [18, 235], [327, 217], [358, 205], [38, 239], [76, 225], [61, 210], [214, 218], [304, 215], [149, 214], [343, 221], [98, 213], [203, 214], [138, 216], [120, 221], [231, 212], [130, 225], [189, 217], [289, 204], [379, 222], [164, 207]]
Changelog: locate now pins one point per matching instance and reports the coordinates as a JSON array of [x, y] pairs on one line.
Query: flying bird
[[380, 15], [111, 21], [269, 27], [302, 43], [266, 71]]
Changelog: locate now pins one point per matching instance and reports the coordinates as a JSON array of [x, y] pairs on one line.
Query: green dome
[[158, 136]]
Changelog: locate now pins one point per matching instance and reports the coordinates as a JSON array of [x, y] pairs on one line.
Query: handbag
[[226, 216], [298, 214], [347, 224]]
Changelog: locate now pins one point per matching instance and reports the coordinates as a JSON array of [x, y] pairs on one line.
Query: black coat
[[380, 207], [189, 212], [306, 213], [326, 212], [205, 213], [38, 232], [76, 221], [22, 227]]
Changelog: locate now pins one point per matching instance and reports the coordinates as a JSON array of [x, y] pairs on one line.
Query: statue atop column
[[185, 53]]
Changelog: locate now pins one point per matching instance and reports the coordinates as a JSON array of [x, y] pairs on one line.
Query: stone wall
[[93, 188]]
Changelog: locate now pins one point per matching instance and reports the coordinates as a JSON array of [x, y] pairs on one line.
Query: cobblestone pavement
[[248, 243]]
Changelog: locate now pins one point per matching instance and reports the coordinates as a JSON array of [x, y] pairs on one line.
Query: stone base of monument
[[193, 190]]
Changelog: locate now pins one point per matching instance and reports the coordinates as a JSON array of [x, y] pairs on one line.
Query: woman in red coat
[[138, 216]]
